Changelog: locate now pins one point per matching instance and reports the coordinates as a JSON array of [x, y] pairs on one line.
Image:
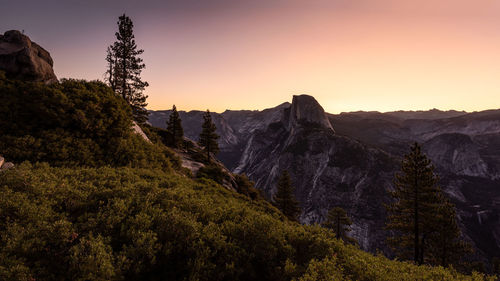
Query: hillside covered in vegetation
[[90, 200]]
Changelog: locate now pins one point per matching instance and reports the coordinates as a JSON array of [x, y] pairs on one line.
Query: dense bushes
[[70, 123], [145, 224], [247, 187], [213, 172], [352, 264]]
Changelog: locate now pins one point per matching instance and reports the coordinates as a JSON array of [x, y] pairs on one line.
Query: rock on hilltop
[[23, 59]]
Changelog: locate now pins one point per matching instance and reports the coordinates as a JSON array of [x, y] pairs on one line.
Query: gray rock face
[[354, 166], [139, 131], [233, 127], [305, 109], [327, 170], [23, 59], [459, 154], [191, 122]]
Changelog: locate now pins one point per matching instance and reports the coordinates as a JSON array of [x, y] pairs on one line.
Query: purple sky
[[233, 54]]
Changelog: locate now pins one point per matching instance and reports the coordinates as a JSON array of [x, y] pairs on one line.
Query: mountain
[[426, 114], [350, 159]]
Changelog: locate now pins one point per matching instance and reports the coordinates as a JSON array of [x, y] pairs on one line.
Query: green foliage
[[349, 263], [91, 259], [423, 221], [445, 244], [155, 134], [208, 136], [327, 269], [125, 67], [213, 172], [158, 137], [151, 224], [174, 129], [338, 221], [247, 187], [284, 199], [71, 123]]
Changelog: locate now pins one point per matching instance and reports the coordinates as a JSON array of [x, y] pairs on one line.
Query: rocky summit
[[305, 109], [23, 59]]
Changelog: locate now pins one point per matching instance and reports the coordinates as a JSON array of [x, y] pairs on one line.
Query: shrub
[[247, 187], [73, 122], [150, 224], [213, 172]]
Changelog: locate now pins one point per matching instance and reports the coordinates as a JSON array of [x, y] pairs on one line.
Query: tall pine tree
[[124, 69], [208, 136], [174, 129], [338, 221], [445, 244], [415, 196], [420, 217], [284, 198]]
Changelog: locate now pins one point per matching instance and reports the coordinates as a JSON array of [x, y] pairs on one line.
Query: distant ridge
[[410, 114]]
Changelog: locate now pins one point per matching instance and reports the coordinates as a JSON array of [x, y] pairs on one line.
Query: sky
[[351, 55]]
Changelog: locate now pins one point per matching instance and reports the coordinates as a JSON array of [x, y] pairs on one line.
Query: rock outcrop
[[5, 165], [23, 59], [139, 131], [190, 159], [306, 110]]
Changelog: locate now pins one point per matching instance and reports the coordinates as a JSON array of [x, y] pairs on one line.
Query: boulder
[[23, 59], [7, 165]]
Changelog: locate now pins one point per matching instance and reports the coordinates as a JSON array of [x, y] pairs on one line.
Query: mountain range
[[350, 159]]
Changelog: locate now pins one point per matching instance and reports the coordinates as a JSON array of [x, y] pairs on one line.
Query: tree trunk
[[338, 226], [124, 77], [422, 246], [443, 257], [416, 218], [173, 135], [208, 153]]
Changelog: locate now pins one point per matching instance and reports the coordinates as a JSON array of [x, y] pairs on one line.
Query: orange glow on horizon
[[379, 55]]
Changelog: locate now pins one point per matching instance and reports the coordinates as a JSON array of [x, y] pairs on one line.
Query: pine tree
[[446, 246], [423, 221], [416, 198], [208, 136], [124, 69], [338, 221], [174, 129], [284, 198]]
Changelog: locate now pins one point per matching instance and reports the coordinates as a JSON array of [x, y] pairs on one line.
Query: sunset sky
[[231, 54]]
